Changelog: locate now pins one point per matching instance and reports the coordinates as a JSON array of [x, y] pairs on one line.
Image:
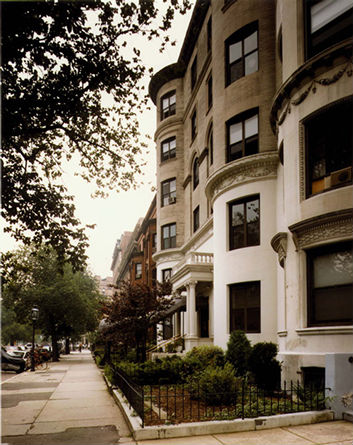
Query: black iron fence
[[134, 393], [158, 404]]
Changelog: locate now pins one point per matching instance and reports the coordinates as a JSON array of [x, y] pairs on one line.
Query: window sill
[[326, 330]]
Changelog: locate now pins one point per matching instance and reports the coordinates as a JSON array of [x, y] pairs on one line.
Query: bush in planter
[[215, 385], [264, 366], [200, 357], [238, 352]]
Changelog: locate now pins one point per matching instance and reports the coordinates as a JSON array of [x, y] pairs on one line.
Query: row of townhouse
[[254, 178]]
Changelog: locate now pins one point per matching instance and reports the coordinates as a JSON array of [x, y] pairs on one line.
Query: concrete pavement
[[70, 404]]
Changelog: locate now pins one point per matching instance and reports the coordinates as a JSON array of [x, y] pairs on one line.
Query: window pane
[[165, 187], [234, 52], [326, 11], [253, 320], [166, 232], [172, 185], [235, 133], [251, 126], [236, 71], [333, 269], [165, 147], [251, 64], [333, 304], [251, 146], [172, 230], [172, 99], [165, 103], [238, 215], [250, 43], [172, 144]]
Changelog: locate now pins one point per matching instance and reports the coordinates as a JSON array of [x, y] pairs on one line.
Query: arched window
[[210, 145], [196, 173]]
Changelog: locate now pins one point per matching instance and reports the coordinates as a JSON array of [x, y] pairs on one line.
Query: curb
[[213, 426]]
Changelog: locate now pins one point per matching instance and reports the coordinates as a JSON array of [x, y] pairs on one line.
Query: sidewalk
[[70, 404]]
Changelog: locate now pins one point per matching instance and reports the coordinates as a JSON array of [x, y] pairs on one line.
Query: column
[[191, 309]]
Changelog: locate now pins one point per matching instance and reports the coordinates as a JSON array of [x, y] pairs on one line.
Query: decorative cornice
[[279, 245], [162, 256], [308, 73], [327, 330], [166, 124], [332, 226], [247, 169]]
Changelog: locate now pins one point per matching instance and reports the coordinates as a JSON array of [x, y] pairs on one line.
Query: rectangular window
[[330, 289], [193, 125], [242, 53], [329, 141], [168, 105], [244, 307], [138, 270], [193, 73], [243, 135], [196, 218], [168, 192], [166, 274], [209, 34], [327, 22], [168, 149], [209, 92], [169, 236], [244, 223]]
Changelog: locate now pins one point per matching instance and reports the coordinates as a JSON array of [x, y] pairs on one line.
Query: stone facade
[[249, 79]]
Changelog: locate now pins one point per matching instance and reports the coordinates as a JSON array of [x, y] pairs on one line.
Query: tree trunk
[[54, 340], [67, 345]]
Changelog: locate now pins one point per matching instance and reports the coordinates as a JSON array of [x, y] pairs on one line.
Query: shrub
[[199, 358], [264, 366], [215, 385], [238, 352]]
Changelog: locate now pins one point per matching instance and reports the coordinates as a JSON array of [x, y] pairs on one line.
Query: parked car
[[11, 363]]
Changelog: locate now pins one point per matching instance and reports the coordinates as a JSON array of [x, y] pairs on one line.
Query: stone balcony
[[195, 266]]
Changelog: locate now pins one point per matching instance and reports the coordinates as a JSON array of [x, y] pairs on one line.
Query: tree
[[133, 310], [11, 330], [68, 301], [238, 352], [71, 89]]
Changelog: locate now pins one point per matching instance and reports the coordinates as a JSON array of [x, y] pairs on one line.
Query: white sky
[[120, 211]]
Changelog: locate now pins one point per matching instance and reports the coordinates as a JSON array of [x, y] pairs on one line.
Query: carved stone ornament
[[247, 169], [332, 226], [279, 245]]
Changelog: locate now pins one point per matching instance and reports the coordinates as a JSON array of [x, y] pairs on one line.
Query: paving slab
[[24, 412], [64, 425], [325, 432], [275, 436]]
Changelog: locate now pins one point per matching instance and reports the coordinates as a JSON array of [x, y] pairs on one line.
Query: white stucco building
[[254, 177]]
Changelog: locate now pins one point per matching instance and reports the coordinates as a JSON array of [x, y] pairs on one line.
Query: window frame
[[195, 173], [209, 35], [171, 109], [193, 125], [322, 184], [138, 275], [193, 73], [171, 239], [239, 37], [242, 118], [171, 151], [247, 285], [209, 92], [170, 194], [165, 272], [243, 201], [336, 30], [210, 143], [196, 219], [311, 255]]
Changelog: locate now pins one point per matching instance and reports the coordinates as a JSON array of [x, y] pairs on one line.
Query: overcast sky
[[120, 211]]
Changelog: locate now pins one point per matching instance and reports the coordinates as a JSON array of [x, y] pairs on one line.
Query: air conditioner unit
[[341, 176], [172, 200]]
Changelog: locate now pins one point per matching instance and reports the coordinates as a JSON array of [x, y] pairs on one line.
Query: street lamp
[[35, 316]]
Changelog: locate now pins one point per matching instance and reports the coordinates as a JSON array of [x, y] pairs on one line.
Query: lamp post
[[35, 316]]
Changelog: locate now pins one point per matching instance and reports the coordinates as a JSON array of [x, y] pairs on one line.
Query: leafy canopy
[[71, 89]]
